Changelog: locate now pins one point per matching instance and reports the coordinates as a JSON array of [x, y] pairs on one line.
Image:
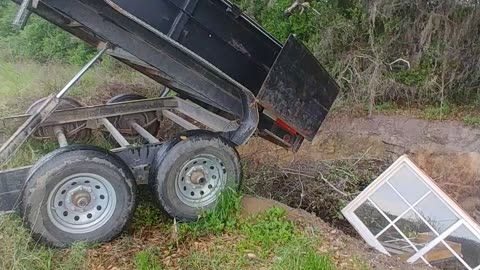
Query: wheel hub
[[197, 175], [200, 180], [81, 203], [81, 197]]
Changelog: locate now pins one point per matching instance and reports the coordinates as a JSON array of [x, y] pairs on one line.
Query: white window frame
[[463, 217]]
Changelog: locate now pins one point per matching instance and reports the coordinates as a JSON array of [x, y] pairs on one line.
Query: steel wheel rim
[[81, 203], [190, 188]]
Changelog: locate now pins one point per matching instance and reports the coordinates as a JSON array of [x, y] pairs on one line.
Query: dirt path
[[404, 132]]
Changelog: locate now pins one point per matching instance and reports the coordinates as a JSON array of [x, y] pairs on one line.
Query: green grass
[[29, 153], [268, 240], [18, 251], [438, 113], [300, 254], [385, 106], [471, 120], [225, 216], [147, 260], [147, 213], [267, 232], [75, 259]]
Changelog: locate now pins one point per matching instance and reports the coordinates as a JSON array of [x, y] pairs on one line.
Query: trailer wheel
[[78, 193], [74, 131], [191, 170], [147, 119]]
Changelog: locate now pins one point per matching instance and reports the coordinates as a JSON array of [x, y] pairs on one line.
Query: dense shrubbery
[[357, 40], [39, 41]]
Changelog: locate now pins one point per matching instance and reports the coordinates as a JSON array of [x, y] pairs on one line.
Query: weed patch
[[300, 254], [471, 120], [147, 213], [17, 250], [266, 232], [75, 257], [385, 106], [438, 113], [147, 260], [267, 241], [223, 217]]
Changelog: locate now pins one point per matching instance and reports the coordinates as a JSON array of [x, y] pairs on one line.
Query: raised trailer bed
[[231, 78]]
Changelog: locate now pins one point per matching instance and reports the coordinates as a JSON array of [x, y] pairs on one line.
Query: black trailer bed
[[210, 52], [214, 31]]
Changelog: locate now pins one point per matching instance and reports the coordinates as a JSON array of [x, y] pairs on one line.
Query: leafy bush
[[357, 41], [40, 40]]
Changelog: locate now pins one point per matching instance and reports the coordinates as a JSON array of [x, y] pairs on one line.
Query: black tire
[[45, 181], [119, 123], [175, 154]]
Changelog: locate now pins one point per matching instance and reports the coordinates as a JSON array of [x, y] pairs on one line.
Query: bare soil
[[449, 151]]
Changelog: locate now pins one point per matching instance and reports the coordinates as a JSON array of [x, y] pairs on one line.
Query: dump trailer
[[230, 78]]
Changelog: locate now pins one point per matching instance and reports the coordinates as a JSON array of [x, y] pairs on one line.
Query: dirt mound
[[343, 247]]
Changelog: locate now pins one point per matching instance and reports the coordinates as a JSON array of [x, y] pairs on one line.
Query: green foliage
[[19, 251], [269, 229], [223, 217], [40, 40], [356, 40], [147, 212], [438, 113], [16, 250], [300, 254], [75, 259], [472, 120], [147, 260], [412, 77], [271, 16], [263, 237], [384, 106]]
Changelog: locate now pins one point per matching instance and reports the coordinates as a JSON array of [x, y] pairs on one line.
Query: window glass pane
[[441, 258], [436, 213], [395, 244], [415, 229], [466, 244], [389, 202], [408, 184], [371, 217]]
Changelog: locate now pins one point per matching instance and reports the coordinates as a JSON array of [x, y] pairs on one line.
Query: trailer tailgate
[[298, 89]]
